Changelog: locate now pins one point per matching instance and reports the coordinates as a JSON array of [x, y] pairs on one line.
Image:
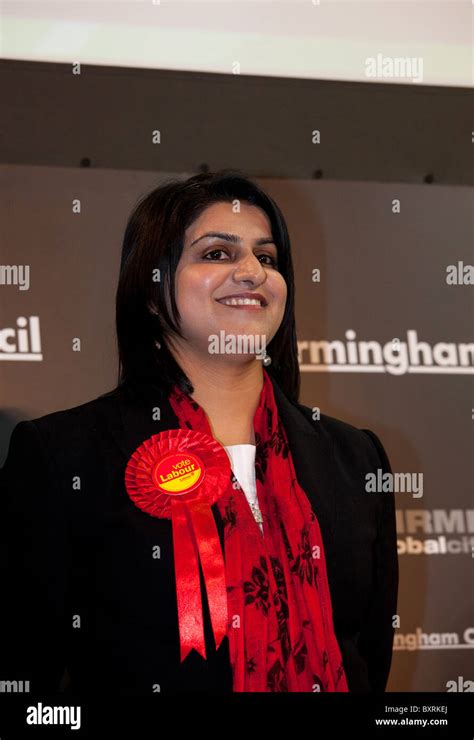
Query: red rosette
[[178, 474]]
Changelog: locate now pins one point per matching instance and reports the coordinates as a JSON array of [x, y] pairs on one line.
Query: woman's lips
[[247, 306]]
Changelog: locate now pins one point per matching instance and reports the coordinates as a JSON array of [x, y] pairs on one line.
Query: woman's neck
[[229, 393]]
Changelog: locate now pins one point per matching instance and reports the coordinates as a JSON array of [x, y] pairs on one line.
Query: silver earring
[[267, 360]]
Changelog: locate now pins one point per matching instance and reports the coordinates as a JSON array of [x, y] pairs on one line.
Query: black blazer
[[90, 609]]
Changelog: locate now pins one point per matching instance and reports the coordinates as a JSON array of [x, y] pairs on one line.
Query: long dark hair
[[152, 247]]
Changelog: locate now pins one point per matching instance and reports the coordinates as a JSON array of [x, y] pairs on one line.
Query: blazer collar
[[144, 410]]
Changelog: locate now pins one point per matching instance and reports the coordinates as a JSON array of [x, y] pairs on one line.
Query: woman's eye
[[210, 256], [214, 251], [272, 261]]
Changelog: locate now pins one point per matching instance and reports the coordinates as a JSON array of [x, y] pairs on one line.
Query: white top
[[242, 461]]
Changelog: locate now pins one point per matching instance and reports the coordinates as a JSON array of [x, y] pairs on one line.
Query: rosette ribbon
[[178, 474]]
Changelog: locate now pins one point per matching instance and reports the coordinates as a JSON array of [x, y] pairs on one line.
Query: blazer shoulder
[[78, 423], [347, 437]]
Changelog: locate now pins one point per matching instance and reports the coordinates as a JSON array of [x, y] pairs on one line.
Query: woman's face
[[242, 258]]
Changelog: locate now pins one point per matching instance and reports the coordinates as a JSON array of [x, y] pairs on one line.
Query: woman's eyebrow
[[233, 238]]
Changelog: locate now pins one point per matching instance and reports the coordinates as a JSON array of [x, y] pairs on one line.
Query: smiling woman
[[195, 529]]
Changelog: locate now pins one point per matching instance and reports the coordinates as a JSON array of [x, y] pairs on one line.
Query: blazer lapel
[[139, 407], [144, 410], [313, 460]]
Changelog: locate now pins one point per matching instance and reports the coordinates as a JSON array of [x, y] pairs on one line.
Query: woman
[[276, 572]]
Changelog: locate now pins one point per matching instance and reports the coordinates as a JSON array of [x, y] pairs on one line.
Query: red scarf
[[280, 627]]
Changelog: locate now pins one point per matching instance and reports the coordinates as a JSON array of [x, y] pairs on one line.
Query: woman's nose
[[249, 268]]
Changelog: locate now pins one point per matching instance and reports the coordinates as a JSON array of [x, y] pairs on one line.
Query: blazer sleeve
[[34, 565], [376, 638]]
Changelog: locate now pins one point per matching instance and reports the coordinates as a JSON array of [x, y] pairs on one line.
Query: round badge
[[177, 465], [178, 473]]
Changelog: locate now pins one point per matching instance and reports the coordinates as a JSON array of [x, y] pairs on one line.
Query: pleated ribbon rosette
[[178, 474]]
